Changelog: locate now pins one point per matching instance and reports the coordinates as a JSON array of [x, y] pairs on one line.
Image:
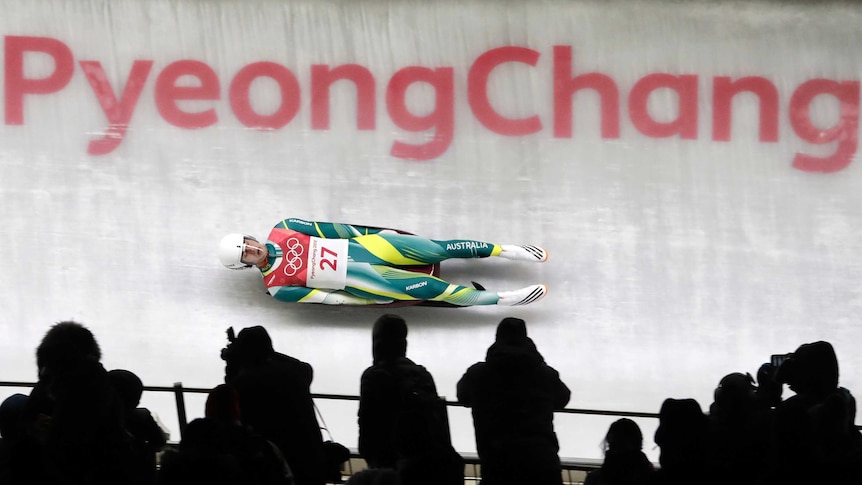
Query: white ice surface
[[673, 262]]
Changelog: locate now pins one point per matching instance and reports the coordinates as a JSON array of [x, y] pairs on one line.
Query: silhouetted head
[[512, 331], [735, 394], [204, 456], [252, 344], [681, 432], [389, 338], [12, 415], [204, 434], [223, 404], [65, 346], [811, 369], [624, 435], [128, 385]]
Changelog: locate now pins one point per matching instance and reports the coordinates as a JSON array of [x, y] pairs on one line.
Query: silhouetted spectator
[[74, 414], [739, 423], [147, 437], [261, 462], [768, 390], [205, 455], [403, 423], [219, 447], [374, 476], [12, 434], [275, 401], [625, 463], [682, 435], [514, 394], [815, 427], [223, 404], [12, 417]]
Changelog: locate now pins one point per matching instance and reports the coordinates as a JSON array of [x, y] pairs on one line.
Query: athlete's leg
[[382, 282], [407, 250]]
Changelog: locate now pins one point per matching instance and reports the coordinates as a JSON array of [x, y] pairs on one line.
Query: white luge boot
[[524, 296], [526, 252]]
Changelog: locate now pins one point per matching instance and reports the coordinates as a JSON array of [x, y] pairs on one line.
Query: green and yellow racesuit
[[364, 269]]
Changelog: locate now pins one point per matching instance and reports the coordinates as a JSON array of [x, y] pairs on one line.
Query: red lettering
[[183, 82], [240, 100], [685, 123], [322, 77], [168, 93], [565, 86], [118, 113], [441, 118], [477, 91], [332, 263], [844, 132], [16, 85], [723, 92]]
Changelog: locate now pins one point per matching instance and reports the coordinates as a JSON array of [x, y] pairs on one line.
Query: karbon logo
[[171, 91]]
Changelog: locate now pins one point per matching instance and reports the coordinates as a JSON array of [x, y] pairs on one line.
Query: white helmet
[[230, 250]]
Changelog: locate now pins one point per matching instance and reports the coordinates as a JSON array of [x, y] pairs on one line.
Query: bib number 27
[[331, 262]]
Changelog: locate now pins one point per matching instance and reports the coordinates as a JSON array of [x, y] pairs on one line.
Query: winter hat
[[511, 331], [65, 345]]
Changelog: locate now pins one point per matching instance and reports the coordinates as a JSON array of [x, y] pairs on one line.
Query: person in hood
[[513, 395], [816, 425], [274, 395], [403, 424]]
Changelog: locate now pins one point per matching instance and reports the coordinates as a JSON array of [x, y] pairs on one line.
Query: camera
[[777, 359], [783, 367], [227, 352]]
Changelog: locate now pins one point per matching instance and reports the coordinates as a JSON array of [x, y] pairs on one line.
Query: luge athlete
[[341, 264]]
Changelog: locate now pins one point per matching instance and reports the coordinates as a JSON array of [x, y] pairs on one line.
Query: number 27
[[332, 263]]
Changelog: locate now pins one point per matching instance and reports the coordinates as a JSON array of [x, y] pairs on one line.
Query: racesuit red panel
[[289, 269]]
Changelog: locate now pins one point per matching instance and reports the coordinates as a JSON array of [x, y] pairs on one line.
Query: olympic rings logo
[[292, 260]]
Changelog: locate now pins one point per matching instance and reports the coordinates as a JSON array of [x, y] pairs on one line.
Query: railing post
[[181, 406]]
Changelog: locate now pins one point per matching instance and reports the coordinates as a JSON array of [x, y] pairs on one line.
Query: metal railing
[[573, 468], [356, 463]]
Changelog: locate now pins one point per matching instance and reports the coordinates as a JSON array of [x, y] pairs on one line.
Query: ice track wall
[[692, 167]]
